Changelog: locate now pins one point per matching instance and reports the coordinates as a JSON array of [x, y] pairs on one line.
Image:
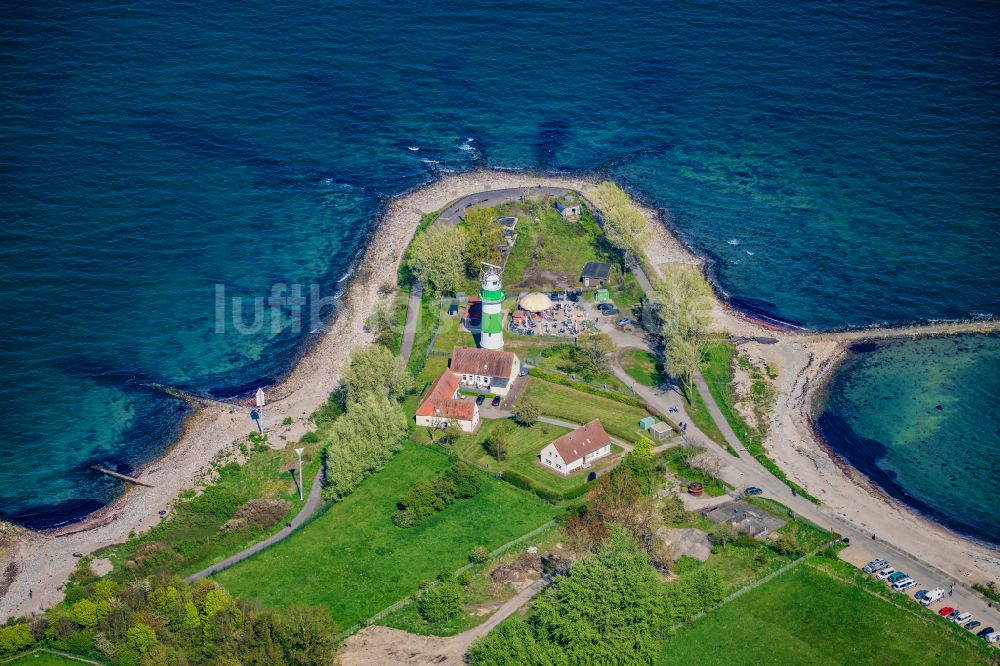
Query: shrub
[[479, 554], [140, 637], [498, 442], [440, 603], [311, 437], [15, 638], [643, 448], [424, 498], [287, 421]]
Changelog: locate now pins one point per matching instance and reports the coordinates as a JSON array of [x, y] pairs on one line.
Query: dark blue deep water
[[837, 161]]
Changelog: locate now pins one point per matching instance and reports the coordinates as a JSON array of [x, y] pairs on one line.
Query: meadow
[[809, 615], [619, 420], [354, 561]]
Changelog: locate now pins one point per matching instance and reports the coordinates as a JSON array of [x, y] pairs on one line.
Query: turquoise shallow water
[[919, 418], [836, 164]]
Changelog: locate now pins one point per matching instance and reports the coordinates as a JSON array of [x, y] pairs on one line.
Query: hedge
[[524, 483]]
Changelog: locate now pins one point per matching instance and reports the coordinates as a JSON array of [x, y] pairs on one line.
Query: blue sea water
[[836, 162]]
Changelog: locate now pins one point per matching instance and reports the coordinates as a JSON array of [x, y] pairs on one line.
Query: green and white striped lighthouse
[[491, 294]]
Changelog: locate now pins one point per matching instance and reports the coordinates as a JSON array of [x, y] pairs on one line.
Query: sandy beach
[[41, 562]]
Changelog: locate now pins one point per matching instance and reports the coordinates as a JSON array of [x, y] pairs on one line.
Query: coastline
[[805, 363]]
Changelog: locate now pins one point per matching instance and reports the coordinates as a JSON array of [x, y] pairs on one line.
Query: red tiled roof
[[485, 362], [582, 441], [441, 403]]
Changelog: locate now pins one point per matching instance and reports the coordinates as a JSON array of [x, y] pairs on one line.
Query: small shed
[[603, 296], [595, 273], [647, 423], [660, 431], [453, 309], [568, 207]]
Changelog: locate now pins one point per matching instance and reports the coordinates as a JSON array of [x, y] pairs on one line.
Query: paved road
[[455, 212], [410, 328], [746, 471], [313, 502]]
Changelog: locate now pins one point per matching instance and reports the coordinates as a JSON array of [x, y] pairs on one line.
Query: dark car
[[496, 401], [610, 311], [753, 490], [572, 296], [985, 632], [920, 594], [972, 625], [480, 399]]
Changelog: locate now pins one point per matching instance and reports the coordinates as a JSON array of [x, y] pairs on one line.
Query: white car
[[903, 585], [885, 573], [934, 595], [962, 619]]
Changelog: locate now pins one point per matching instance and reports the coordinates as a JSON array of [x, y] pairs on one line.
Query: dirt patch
[[101, 566], [379, 646]]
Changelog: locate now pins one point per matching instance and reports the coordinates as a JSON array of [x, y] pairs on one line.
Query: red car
[[947, 610]]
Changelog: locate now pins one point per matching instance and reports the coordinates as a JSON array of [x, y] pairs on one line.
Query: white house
[[487, 370], [443, 406], [577, 449]]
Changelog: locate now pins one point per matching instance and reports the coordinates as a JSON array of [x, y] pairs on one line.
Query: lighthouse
[[491, 294]]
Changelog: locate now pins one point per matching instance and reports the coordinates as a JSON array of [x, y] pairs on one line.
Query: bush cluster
[[166, 621], [425, 498], [441, 602]]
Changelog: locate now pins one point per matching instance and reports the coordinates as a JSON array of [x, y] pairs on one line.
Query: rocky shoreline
[[43, 561]]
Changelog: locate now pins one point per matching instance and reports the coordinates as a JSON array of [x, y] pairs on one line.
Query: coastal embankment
[[41, 562]]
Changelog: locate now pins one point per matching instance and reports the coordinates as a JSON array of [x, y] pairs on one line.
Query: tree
[[498, 442], [362, 440], [482, 235], [85, 613], [593, 352], [375, 369], [140, 637], [526, 412], [436, 258], [707, 463], [607, 610], [723, 534], [15, 638], [681, 357], [441, 602], [643, 448], [479, 554], [683, 302], [625, 227], [310, 635], [450, 434], [514, 642]]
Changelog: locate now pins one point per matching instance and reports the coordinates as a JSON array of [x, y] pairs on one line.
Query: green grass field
[[643, 367], [355, 562], [525, 445], [806, 616], [562, 402], [41, 658]]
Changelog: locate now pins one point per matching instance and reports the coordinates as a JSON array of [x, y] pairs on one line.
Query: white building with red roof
[[444, 405], [487, 370], [577, 449]]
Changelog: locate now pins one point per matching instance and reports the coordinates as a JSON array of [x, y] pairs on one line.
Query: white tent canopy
[[535, 302]]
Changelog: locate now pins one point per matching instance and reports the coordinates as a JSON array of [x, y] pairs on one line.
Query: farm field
[[355, 562], [808, 616]]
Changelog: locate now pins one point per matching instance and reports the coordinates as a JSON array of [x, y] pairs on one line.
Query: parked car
[[573, 296], [753, 490], [885, 573], [952, 615], [985, 632], [934, 595], [898, 576], [992, 637], [947, 610], [610, 312], [624, 321], [904, 584], [972, 625], [874, 566], [480, 399], [919, 594], [962, 618], [496, 401]]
